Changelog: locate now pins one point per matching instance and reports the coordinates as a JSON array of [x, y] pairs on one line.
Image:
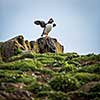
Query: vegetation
[[50, 76]]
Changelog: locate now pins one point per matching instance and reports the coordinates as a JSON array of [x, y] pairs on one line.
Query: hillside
[[50, 76]]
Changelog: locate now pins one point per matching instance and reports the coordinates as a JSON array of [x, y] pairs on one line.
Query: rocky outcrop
[[49, 45], [12, 47], [0, 52], [18, 45]]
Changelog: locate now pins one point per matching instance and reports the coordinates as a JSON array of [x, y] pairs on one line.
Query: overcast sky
[[78, 22]]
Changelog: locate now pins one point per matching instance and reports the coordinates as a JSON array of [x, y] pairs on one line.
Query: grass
[[52, 76]]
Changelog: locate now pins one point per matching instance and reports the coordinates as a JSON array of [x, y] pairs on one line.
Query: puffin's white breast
[[48, 28]]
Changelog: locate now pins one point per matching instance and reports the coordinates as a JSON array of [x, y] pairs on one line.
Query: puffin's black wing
[[41, 23], [37, 22], [51, 20]]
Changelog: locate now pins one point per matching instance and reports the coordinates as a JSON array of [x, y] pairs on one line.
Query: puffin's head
[[50, 21]]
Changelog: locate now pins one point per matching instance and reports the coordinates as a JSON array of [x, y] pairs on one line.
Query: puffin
[[47, 27]]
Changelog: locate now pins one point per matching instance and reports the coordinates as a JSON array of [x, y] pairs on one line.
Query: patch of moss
[[64, 83], [10, 89], [95, 68], [90, 57], [45, 61], [86, 77], [74, 62], [23, 65], [18, 51], [15, 76], [70, 56], [22, 56], [68, 68], [37, 87], [53, 95], [46, 71]]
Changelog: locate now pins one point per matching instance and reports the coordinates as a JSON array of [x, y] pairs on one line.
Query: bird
[[47, 26]]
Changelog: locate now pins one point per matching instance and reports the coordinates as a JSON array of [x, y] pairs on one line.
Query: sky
[[78, 22]]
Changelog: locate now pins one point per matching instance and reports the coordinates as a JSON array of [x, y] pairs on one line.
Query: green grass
[[64, 83], [91, 68], [53, 76], [15, 76], [23, 65], [86, 77]]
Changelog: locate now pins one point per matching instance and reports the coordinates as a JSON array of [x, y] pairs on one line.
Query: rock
[[17, 95], [88, 86], [0, 58], [28, 44], [18, 45], [34, 46], [0, 52], [4, 86], [12, 47], [49, 45], [59, 47]]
